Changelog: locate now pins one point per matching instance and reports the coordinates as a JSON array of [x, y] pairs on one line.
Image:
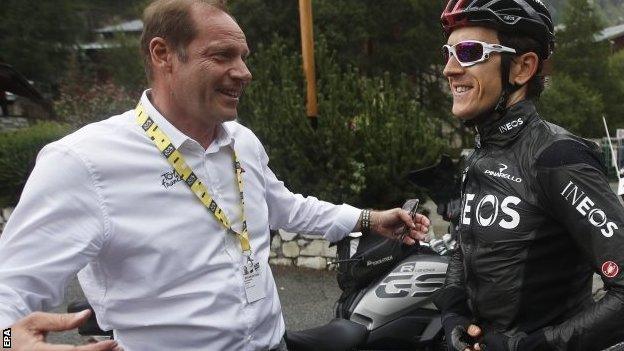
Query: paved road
[[307, 297]]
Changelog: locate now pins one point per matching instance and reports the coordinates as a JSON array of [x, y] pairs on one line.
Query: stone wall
[[287, 249], [312, 251], [4, 216], [301, 250], [12, 123]]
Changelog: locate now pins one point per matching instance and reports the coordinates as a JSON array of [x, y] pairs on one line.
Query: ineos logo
[[585, 206], [508, 220], [511, 125]]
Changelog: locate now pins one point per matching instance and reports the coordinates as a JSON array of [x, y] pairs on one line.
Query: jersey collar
[[507, 128]]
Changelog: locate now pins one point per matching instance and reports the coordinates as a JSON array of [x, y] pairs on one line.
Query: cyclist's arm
[[576, 191], [451, 299]]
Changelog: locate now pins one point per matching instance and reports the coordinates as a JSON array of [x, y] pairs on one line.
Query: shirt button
[[249, 337]]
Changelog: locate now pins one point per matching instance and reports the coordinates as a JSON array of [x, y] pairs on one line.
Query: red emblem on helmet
[[610, 269]]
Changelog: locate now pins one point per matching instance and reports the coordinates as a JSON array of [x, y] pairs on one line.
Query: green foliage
[[260, 21], [371, 131], [37, 37], [572, 106], [611, 10], [84, 99], [578, 54], [398, 36], [18, 151], [616, 102], [124, 64], [581, 68]]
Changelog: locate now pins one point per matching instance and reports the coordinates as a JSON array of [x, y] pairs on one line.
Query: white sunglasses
[[471, 52]]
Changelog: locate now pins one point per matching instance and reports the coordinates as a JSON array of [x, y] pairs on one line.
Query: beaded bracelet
[[365, 221]]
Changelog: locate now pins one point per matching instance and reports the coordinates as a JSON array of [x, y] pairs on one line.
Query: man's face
[[475, 89], [208, 85]]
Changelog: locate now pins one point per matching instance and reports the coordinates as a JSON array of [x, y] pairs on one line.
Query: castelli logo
[[610, 269]]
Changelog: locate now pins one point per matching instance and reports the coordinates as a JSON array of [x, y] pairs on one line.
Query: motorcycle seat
[[337, 335], [91, 326]]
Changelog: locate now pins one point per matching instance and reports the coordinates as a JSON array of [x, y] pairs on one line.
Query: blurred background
[[383, 105]]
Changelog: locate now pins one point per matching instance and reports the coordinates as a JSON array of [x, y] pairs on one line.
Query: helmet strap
[[507, 88]]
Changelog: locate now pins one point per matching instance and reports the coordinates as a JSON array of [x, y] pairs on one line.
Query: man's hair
[[524, 44], [172, 21]]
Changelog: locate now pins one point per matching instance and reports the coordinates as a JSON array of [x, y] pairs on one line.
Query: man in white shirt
[[168, 260]]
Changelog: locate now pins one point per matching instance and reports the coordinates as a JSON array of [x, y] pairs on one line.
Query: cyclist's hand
[[29, 333], [390, 223], [466, 339], [495, 341]]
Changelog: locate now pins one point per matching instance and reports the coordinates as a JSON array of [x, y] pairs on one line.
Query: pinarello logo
[[610, 269]]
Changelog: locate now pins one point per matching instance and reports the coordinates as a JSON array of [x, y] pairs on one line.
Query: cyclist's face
[[475, 89]]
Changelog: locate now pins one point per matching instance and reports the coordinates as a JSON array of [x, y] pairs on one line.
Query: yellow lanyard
[[176, 160]]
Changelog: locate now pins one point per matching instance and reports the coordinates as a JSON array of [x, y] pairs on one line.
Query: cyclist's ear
[[523, 68]]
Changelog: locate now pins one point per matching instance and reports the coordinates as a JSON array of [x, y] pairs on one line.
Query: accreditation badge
[[252, 278]]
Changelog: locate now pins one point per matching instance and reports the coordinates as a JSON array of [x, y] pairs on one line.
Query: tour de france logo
[[170, 178]]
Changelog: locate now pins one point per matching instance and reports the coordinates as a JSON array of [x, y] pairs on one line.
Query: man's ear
[[160, 54], [523, 68]]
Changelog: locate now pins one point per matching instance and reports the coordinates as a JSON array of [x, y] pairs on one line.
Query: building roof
[[98, 46], [128, 26], [14, 82], [611, 33]]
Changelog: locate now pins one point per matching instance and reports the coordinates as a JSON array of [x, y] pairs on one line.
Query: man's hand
[[29, 333], [391, 223]]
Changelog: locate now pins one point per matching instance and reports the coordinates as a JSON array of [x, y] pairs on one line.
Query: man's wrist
[[365, 221]]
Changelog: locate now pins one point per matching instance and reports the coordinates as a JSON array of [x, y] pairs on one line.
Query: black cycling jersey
[[538, 219]]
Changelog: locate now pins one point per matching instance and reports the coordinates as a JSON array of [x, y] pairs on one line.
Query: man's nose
[[241, 71], [452, 67]]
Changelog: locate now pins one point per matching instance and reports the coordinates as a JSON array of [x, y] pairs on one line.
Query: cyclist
[[538, 216]]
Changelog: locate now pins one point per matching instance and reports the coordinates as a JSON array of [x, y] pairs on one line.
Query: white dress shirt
[[154, 263]]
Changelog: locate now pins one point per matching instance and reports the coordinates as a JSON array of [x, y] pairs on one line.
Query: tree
[[402, 37], [573, 106], [371, 132], [123, 63], [585, 61], [37, 37]]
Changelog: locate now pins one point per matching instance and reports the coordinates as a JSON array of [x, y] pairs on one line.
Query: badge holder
[[252, 278]]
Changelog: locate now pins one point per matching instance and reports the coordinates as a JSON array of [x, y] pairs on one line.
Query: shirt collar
[[507, 128], [224, 138], [178, 138]]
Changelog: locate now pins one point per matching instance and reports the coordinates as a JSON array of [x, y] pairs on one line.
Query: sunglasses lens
[[469, 51]]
